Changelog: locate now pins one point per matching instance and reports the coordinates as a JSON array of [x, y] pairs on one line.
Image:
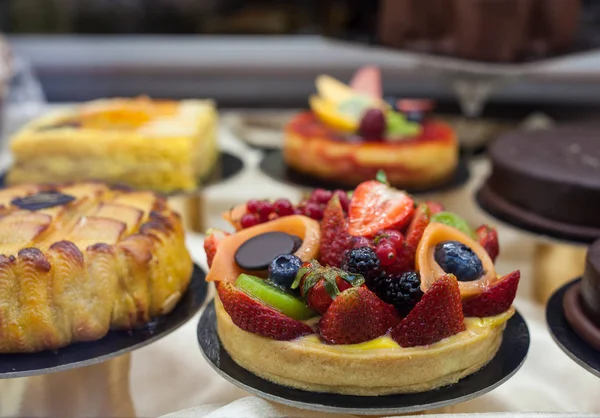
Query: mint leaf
[[381, 177]]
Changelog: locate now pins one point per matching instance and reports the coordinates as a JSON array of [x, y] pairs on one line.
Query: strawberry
[[376, 206], [488, 238], [211, 243], [335, 240], [318, 299], [367, 81], [418, 224], [434, 207], [355, 316], [320, 285], [252, 316], [496, 299], [438, 315]]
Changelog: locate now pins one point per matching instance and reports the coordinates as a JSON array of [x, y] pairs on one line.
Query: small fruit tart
[[350, 133], [361, 293]]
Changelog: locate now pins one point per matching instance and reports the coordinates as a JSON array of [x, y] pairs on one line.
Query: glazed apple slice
[[91, 230], [23, 226], [127, 214]]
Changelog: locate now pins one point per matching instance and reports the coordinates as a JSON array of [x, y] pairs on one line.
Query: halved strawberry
[[320, 285], [211, 243], [355, 316], [415, 231], [438, 315], [335, 239], [496, 299], [434, 207], [376, 206], [251, 315], [488, 238]]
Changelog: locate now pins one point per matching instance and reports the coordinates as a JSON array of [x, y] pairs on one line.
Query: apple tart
[[78, 260]]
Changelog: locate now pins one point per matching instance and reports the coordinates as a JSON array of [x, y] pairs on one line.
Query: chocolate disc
[[42, 200], [257, 253]]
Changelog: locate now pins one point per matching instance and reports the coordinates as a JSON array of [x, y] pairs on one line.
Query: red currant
[[299, 211], [320, 196], [313, 210], [396, 238], [283, 207], [273, 216], [253, 206], [265, 207], [249, 220], [386, 252]]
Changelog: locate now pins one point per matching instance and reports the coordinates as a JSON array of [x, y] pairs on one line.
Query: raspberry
[[344, 199], [358, 242], [403, 291], [363, 261]]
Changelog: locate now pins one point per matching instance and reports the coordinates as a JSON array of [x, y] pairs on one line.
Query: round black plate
[[115, 344], [536, 228], [275, 167], [227, 167], [508, 360], [566, 338]]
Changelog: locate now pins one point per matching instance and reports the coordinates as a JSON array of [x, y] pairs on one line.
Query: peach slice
[[430, 270], [224, 268], [234, 216]]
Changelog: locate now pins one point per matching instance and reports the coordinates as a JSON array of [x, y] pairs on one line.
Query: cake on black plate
[[582, 302], [547, 182]]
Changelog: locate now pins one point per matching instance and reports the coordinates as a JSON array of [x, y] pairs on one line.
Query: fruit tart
[[350, 133], [362, 294]]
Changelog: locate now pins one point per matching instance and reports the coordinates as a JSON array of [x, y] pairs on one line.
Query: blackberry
[[363, 261], [403, 291]]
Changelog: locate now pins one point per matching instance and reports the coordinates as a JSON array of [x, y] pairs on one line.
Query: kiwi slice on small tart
[[274, 296]]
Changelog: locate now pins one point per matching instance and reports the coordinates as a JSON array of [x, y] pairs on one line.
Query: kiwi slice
[[455, 221], [274, 296]]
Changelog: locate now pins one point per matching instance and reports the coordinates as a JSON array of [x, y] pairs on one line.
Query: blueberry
[[283, 269], [456, 258]]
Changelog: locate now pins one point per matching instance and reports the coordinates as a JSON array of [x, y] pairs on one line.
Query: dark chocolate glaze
[[590, 285], [554, 174], [257, 253]]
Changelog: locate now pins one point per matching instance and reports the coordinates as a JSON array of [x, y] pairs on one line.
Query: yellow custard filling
[[474, 326]]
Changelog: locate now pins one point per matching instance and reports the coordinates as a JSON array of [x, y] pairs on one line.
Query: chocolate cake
[[483, 30], [582, 301], [547, 182]]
